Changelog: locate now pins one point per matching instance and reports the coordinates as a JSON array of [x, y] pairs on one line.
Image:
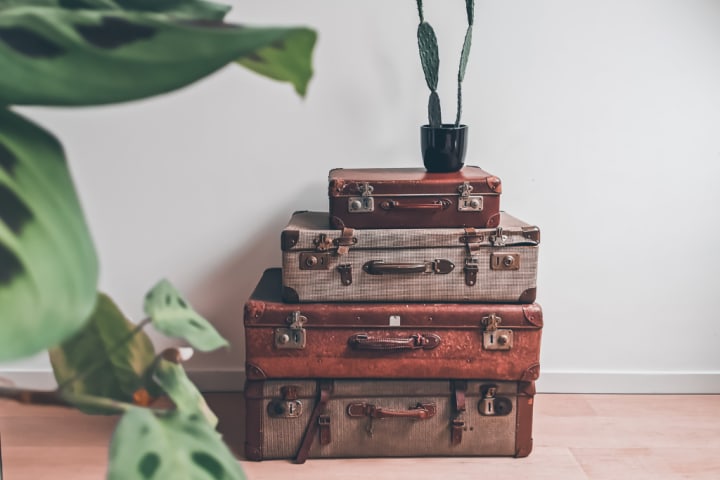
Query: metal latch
[[505, 261], [495, 338], [471, 271], [292, 337], [365, 203], [492, 406], [467, 202], [345, 271], [287, 407], [499, 239]]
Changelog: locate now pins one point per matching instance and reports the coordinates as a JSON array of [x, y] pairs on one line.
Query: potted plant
[[443, 144], [92, 52]]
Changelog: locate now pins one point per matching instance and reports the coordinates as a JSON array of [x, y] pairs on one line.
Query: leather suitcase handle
[[380, 267], [441, 204], [421, 411], [362, 341]]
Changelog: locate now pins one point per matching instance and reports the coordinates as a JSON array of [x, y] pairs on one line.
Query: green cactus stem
[[430, 60]]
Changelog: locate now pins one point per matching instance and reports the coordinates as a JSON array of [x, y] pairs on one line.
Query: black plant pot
[[443, 148]]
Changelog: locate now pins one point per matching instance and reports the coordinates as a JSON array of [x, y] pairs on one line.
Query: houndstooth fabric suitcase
[[413, 198], [388, 340], [293, 418], [494, 265]]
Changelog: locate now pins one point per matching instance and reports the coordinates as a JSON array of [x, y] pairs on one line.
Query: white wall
[[601, 117]]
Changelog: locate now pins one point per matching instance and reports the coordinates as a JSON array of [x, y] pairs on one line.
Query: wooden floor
[[576, 437]]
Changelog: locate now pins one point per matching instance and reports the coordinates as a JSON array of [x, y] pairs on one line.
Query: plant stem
[[420, 10], [95, 367], [66, 399]]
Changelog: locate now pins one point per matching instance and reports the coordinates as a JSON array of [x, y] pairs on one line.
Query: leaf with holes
[[187, 398], [179, 446], [59, 56], [48, 266], [285, 60], [107, 358], [172, 315]]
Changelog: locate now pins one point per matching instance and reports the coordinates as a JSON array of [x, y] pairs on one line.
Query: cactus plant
[[429, 58]]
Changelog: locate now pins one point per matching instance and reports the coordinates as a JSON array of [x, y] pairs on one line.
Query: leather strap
[[458, 422], [345, 241], [325, 387]]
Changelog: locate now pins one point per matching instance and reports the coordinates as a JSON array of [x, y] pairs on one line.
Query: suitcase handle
[[441, 204], [380, 267], [363, 341], [421, 411]]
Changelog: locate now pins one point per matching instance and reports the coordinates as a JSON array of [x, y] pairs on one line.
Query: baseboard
[[549, 382]]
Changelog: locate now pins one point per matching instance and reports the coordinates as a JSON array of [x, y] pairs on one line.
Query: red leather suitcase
[[388, 340], [413, 198]]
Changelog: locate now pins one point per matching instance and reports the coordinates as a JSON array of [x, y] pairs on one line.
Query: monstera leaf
[[107, 358], [48, 266], [192, 8], [174, 445], [103, 54], [171, 377], [172, 315]]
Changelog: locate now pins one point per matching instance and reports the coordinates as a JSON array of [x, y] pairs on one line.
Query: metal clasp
[[499, 239], [467, 202], [471, 270], [492, 406], [292, 337], [495, 338], [365, 202]]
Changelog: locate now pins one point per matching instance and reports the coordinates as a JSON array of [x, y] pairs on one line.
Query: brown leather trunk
[[413, 198], [307, 418], [389, 340]]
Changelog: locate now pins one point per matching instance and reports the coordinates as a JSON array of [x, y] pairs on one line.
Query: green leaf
[[172, 315], [465, 54], [187, 398], [192, 8], [177, 446], [470, 7], [107, 358], [429, 57], [48, 266], [55, 56], [288, 60]]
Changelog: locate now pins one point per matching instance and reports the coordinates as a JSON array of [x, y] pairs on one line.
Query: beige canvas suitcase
[[490, 265], [303, 419]]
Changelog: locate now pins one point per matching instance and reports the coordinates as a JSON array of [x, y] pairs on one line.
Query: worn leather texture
[[411, 198], [448, 338], [276, 436], [340, 270]]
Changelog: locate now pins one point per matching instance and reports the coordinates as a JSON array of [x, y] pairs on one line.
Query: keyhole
[[492, 338]]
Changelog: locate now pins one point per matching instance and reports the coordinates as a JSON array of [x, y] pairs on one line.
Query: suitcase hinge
[[471, 271], [495, 338], [345, 273], [467, 202], [324, 429], [492, 406], [365, 202], [292, 337], [499, 239]]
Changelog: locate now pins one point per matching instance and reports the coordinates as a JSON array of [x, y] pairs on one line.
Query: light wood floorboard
[[576, 437]]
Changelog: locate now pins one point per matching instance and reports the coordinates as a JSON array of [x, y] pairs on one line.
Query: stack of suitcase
[[402, 323]]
